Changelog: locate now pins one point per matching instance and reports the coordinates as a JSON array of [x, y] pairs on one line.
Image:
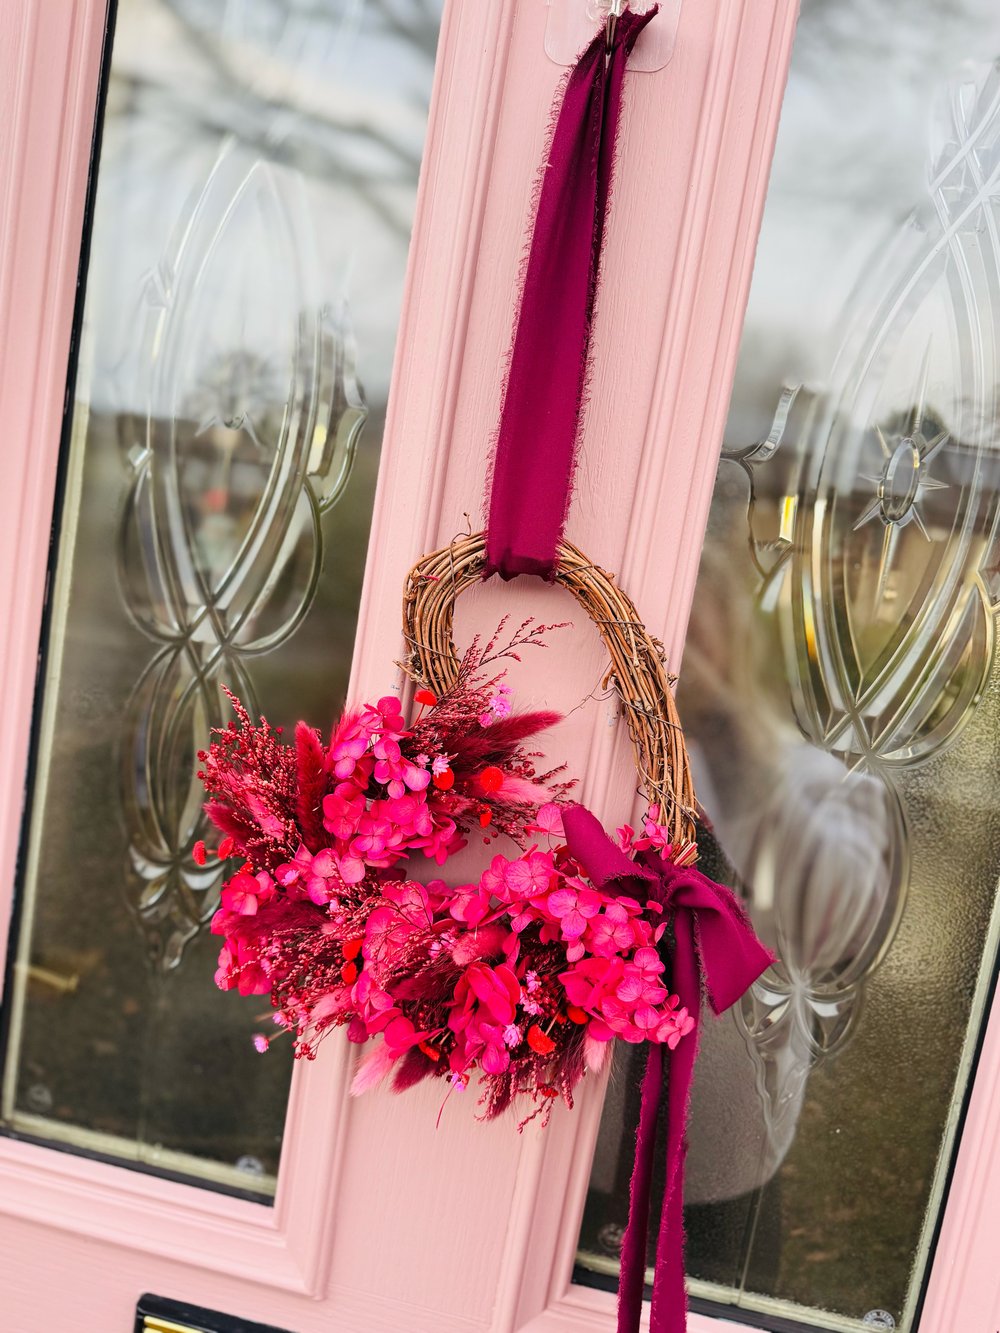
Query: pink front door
[[246, 309]]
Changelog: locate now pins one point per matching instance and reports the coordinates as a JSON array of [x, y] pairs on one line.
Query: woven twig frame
[[637, 672]]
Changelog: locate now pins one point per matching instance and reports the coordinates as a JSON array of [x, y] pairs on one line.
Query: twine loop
[[637, 670]]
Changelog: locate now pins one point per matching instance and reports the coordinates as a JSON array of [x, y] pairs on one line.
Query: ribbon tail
[[669, 1308], [632, 1277], [711, 933]]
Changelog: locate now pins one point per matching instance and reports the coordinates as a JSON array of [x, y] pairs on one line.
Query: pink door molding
[[381, 1222]]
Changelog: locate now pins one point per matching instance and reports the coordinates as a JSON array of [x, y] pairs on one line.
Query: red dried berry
[[491, 779], [349, 974], [486, 819], [444, 781], [351, 948], [539, 1042]]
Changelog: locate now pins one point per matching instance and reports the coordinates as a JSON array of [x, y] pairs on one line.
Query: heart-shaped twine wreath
[[522, 978], [637, 671]]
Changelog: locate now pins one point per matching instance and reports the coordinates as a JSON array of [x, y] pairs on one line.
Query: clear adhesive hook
[[571, 24]]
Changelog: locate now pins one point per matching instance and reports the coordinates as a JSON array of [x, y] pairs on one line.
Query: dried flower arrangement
[[524, 975]]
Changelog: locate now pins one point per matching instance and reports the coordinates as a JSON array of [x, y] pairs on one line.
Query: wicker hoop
[[637, 672]]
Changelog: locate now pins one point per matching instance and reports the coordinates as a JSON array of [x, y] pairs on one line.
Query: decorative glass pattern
[[258, 175], [840, 686]]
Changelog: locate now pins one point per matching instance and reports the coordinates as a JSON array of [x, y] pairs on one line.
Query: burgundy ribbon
[[536, 440], [533, 464], [714, 943]]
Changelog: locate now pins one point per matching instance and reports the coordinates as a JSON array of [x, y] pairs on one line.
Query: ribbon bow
[[714, 944]]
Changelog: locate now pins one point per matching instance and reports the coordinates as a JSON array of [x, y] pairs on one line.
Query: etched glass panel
[[258, 173], [841, 689]]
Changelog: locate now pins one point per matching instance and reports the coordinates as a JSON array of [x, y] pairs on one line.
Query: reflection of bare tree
[[858, 65], [416, 21], [262, 95], [236, 387], [413, 21], [863, 32]]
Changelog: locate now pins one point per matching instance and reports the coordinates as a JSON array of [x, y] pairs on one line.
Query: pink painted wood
[[381, 1222]]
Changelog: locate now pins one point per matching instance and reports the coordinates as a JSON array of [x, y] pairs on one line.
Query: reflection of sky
[[337, 92], [333, 94], [850, 165]]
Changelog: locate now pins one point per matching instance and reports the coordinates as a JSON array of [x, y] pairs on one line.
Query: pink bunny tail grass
[[374, 1067], [595, 1053], [520, 789]]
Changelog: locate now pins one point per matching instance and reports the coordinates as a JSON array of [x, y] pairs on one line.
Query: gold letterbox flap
[[156, 1314]]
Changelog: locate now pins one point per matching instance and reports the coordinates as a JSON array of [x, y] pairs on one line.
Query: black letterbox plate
[[153, 1314]]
